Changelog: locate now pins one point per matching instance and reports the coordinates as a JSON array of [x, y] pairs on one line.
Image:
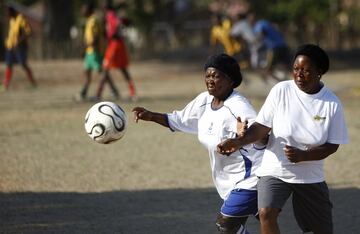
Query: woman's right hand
[[228, 146], [141, 113]]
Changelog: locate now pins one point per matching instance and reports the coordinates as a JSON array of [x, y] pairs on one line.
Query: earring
[[319, 76]]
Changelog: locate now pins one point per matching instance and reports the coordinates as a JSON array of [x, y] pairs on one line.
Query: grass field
[[53, 178]]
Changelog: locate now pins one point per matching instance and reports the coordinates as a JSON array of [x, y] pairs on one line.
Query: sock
[[131, 87], [8, 74], [242, 230]]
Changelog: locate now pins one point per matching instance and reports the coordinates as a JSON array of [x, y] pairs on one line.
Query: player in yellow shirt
[[94, 39], [220, 33], [16, 45]]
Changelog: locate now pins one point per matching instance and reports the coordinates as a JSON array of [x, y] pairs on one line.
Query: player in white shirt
[[212, 115], [306, 124]]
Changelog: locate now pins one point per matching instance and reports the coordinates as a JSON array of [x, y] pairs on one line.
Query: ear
[[319, 73]]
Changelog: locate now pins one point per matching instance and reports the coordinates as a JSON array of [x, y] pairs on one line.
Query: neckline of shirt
[[307, 95]]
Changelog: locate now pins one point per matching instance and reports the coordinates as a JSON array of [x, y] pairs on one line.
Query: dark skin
[[307, 78], [218, 85]]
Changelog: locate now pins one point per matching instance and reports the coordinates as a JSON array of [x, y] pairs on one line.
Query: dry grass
[[49, 165]]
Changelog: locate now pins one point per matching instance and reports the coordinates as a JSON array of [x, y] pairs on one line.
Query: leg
[[21, 55], [113, 88], [231, 225], [268, 220], [29, 74], [313, 208], [280, 66], [92, 62], [9, 59], [84, 90], [8, 75], [131, 85], [272, 195], [280, 72], [102, 83], [107, 79], [240, 204]]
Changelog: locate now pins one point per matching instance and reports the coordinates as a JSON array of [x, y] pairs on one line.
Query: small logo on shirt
[[210, 127], [318, 118]]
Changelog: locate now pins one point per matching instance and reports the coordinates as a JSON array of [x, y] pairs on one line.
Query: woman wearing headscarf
[[212, 115], [306, 124]]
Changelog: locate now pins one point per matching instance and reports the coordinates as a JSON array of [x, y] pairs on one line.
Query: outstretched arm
[[254, 133], [143, 114]]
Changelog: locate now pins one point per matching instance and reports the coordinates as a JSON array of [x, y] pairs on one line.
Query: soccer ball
[[105, 122]]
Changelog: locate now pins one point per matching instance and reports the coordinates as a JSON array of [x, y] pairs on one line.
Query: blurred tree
[[59, 19]]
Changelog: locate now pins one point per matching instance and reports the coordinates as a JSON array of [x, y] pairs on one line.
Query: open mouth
[[210, 87]]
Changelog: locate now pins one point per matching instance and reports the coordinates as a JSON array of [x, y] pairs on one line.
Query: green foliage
[[298, 10], [142, 15]]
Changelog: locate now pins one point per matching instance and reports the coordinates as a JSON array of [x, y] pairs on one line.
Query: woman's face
[[218, 83], [306, 75]]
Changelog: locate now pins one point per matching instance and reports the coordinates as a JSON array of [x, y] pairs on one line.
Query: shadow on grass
[[151, 211]]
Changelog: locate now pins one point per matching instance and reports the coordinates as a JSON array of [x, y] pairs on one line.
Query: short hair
[[316, 54], [226, 64]]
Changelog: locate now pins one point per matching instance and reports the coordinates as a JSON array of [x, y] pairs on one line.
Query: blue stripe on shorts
[[241, 202]]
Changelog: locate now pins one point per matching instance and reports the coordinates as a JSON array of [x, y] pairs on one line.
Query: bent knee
[[267, 214], [229, 225]]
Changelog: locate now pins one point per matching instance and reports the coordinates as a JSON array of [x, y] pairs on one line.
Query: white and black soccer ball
[[105, 122]]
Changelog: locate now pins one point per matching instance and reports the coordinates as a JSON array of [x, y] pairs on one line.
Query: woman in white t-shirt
[[306, 124], [212, 115]]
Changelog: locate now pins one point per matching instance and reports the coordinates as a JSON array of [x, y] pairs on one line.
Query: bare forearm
[[255, 134], [320, 152], [159, 118], [317, 153]]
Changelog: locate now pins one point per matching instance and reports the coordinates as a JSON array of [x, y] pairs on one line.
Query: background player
[[220, 34], [276, 50], [16, 45], [94, 42], [116, 56]]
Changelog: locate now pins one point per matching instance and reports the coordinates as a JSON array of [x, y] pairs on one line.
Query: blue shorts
[[17, 55], [241, 202]]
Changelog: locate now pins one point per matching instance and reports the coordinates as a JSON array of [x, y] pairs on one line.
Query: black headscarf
[[227, 65], [316, 54]]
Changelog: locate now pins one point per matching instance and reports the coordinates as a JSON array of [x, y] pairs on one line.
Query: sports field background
[[54, 179]]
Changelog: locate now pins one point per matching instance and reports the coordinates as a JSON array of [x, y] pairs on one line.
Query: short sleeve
[[267, 111], [338, 131], [186, 120]]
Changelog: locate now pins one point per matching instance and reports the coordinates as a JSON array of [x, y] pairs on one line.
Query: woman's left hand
[[294, 155]]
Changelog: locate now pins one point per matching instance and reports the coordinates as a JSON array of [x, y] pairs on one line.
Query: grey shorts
[[311, 203]]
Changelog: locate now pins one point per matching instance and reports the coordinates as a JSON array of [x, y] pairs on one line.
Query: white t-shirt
[[303, 121], [214, 126]]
